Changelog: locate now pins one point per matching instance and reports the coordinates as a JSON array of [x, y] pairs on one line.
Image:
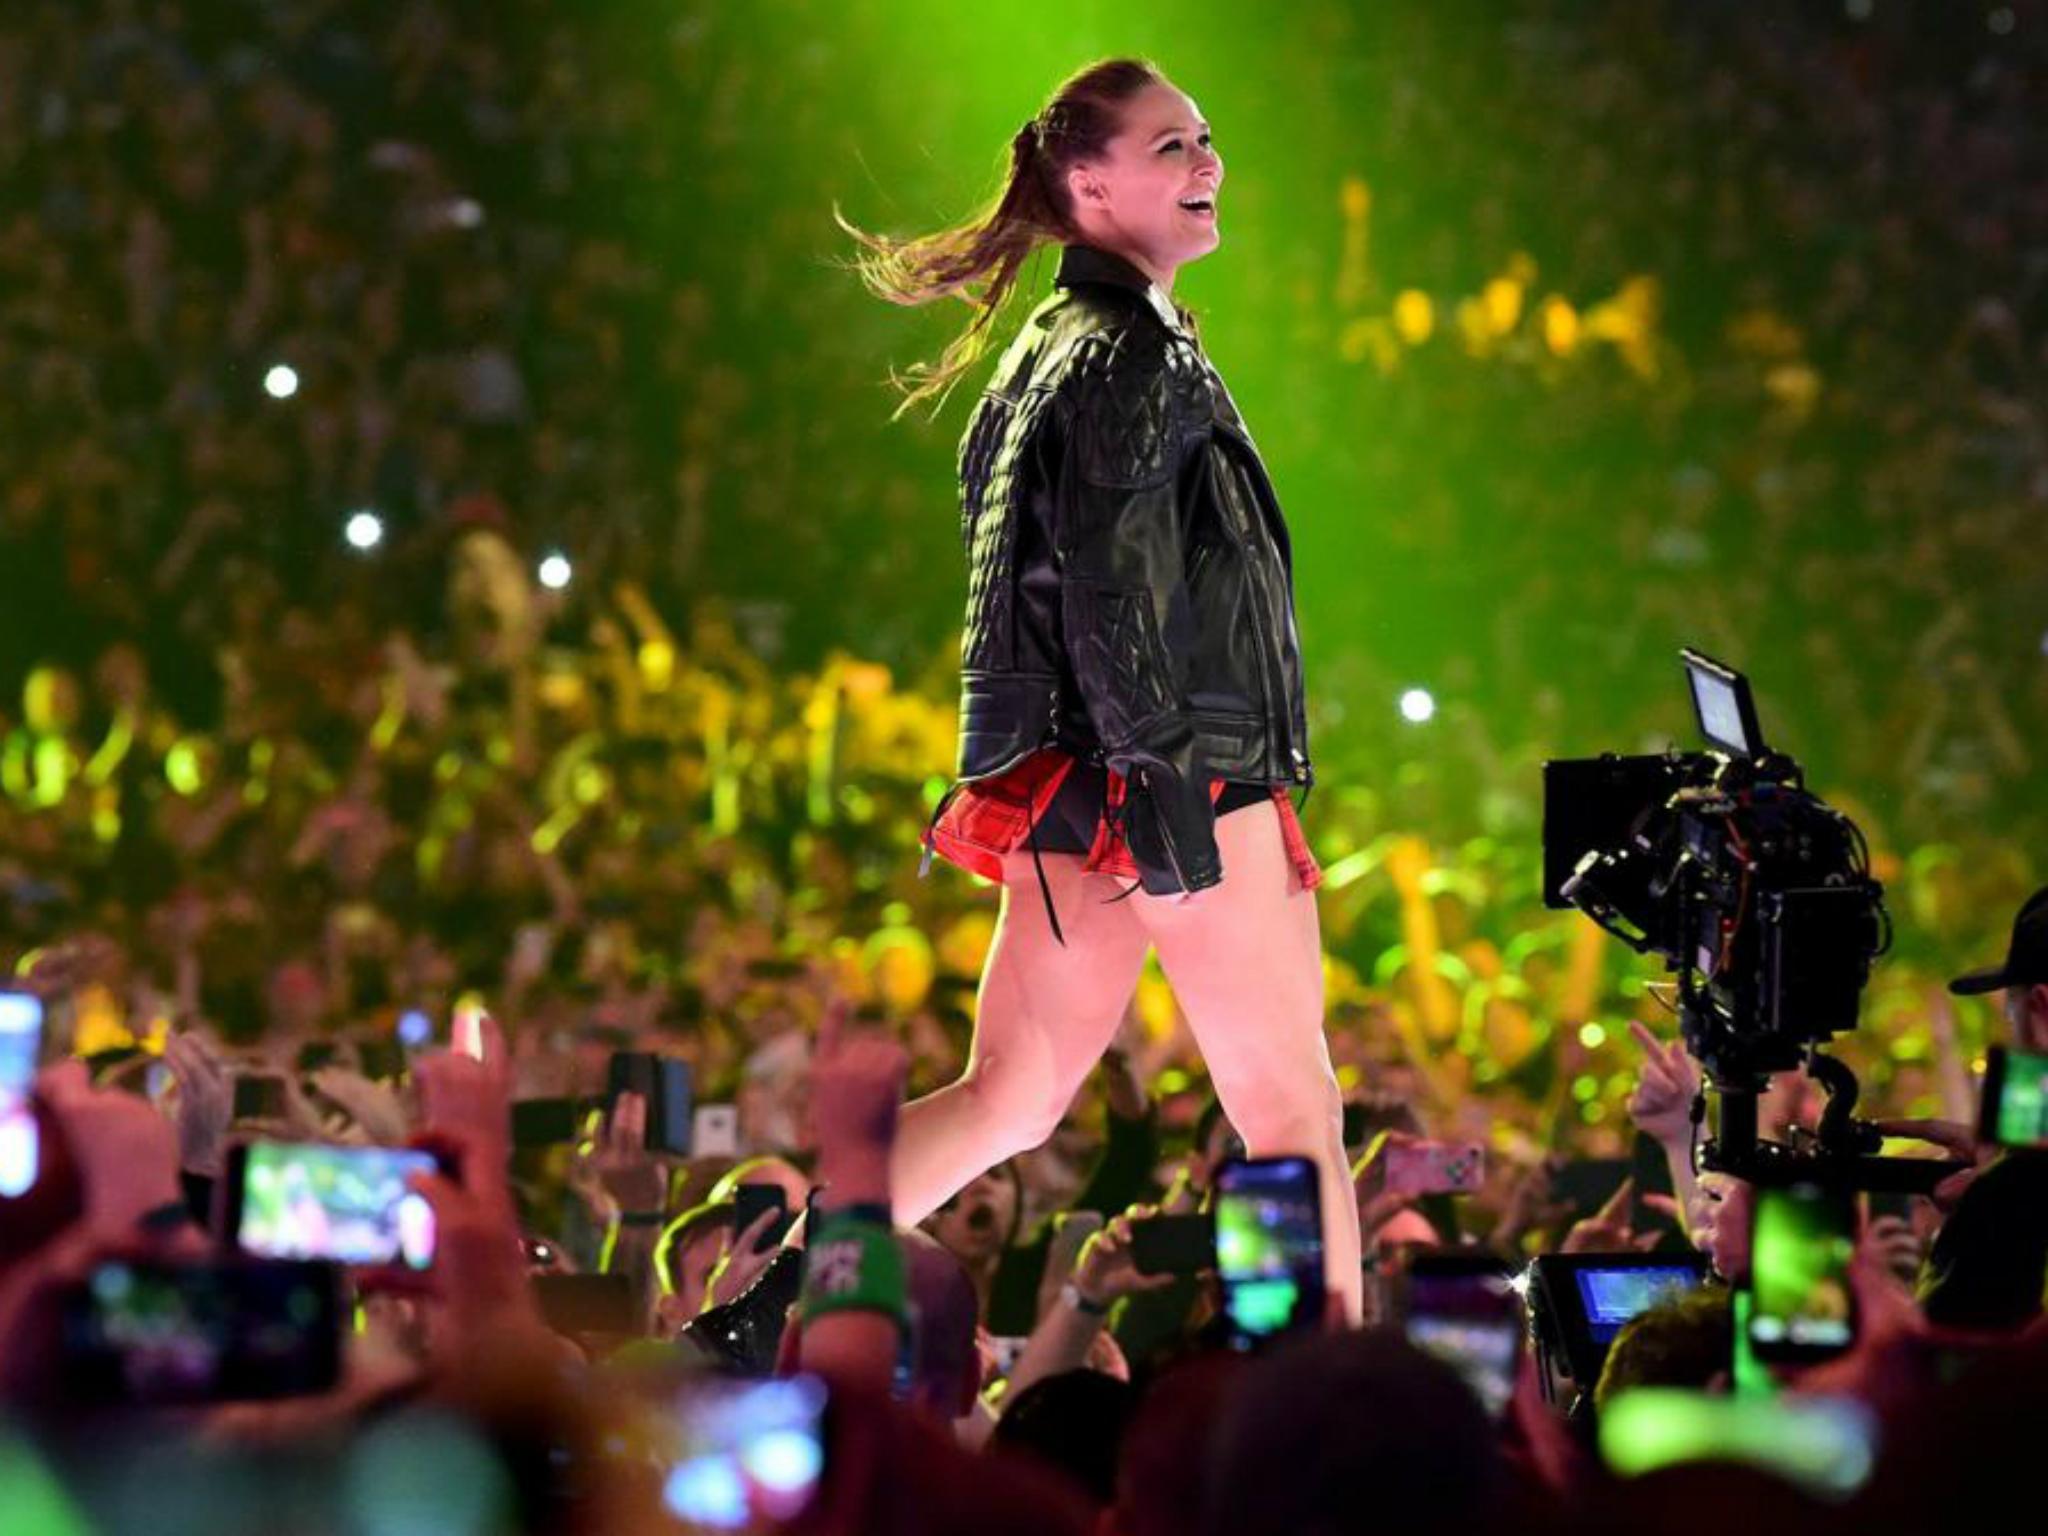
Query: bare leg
[[1246, 962], [1045, 1016]]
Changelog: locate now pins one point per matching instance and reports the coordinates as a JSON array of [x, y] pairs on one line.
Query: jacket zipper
[[1274, 724]]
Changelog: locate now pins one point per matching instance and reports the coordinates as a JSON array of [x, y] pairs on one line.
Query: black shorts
[[1070, 822]]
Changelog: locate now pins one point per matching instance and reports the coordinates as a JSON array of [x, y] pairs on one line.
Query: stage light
[[1417, 706], [282, 382], [555, 571], [364, 530]]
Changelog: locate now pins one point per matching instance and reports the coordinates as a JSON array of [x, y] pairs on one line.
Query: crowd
[[1747, 313]]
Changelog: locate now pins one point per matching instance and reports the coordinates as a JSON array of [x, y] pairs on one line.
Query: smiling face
[[1151, 197]]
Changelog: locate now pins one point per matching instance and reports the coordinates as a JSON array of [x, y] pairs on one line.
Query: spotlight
[[555, 571], [1417, 706], [282, 382], [364, 530]]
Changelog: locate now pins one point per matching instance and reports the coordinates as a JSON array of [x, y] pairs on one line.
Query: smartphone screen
[[1269, 1246], [745, 1455], [750, 1202], [21, 1044], [2015, 1112], [668, 1118], [1468, 1315], [1802, 1305], [351, 1204], [1825, 1445], [205, 1331]]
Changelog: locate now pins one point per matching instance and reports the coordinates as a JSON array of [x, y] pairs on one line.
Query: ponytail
[[978, 261]]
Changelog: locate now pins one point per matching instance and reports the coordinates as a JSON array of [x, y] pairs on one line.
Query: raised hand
[[1667, 1083], [1106, 1271], [1608, 1230], [206, 1102], [856, 1090]]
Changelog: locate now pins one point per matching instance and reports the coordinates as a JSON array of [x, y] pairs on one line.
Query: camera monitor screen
[[1612, 1296], [1721, 699]]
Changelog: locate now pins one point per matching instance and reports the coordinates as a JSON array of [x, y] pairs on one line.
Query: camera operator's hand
[[1959, 1141], [1667, 1084]]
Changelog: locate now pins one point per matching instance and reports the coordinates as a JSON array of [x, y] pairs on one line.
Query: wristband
[[874, 1212], [1070, 1293], [854, 1266], [641, 1218]]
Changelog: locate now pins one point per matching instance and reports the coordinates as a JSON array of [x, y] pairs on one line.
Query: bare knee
[[1279, 1119], [1018, 1106]]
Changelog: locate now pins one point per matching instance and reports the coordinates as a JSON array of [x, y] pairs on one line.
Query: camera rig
[[1758, 897]]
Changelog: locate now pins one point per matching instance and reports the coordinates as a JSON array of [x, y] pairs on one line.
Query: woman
[[1131, 700]]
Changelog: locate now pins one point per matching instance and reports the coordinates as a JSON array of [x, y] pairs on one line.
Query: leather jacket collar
[[1091, 264]]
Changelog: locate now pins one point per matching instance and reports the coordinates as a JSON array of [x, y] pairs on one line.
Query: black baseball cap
[[2026, 960]]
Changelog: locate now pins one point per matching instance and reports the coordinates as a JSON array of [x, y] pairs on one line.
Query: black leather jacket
[[1130, 593]]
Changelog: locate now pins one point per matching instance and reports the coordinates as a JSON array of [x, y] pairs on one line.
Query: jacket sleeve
[[1132, 416]]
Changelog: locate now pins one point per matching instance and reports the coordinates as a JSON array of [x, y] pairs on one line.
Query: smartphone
[[715, 1131], [1463, 1308], [1435, 1167], [573, 1304], [1826, 1446], [1802, 1306], [202, 1331], [308, 1200], [546, 1122], [2015, 1102], [664, 1083], [744, 1455], [21, 1046], [1173, 1245], [1269, 1247], [752, 1201], [259, 1096]]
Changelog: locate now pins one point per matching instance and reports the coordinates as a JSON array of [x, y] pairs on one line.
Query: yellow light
[[182, 769], [1560, 326], [1592, 1036], [657, 665], [1502, 301], [1414, 316]]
